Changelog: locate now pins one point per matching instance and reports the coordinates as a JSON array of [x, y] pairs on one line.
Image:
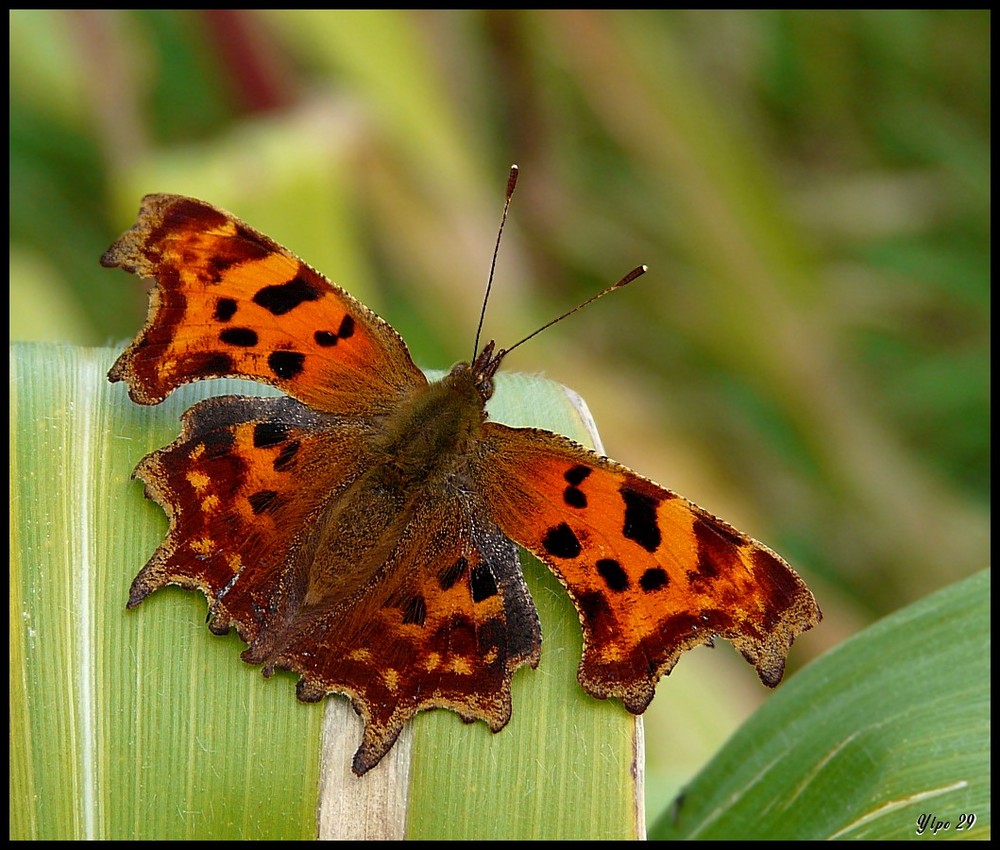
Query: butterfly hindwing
[[650, 573], [243, 481], [230, 302], [444, 622]]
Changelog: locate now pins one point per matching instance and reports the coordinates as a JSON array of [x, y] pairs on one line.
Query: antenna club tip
[[511, 183], [638, 271]]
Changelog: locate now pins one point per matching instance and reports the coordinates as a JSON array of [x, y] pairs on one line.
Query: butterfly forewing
[[230, 302]]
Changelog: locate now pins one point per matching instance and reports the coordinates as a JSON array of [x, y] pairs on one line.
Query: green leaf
[[891, 725], [142, 724]]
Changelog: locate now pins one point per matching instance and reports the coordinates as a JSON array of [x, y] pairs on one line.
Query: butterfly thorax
[[433, 428], [421, 452]]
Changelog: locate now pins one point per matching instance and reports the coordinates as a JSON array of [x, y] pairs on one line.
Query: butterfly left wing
[[230, 302], [650, 573], [243, 485]]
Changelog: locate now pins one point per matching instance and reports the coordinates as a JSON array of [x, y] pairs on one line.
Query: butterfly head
[[479, 373]]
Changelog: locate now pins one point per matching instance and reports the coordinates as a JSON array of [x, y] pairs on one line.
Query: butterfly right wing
[[650, 573]]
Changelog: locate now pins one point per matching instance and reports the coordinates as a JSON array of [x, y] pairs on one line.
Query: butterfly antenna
[[638, 271], [511, 183]]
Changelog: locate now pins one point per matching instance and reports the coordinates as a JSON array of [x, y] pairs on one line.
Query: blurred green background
[[808, 356]]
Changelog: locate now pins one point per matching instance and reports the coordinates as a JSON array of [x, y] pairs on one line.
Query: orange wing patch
[[650, 573], [230, 302]]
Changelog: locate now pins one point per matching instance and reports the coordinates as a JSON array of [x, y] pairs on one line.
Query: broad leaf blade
[[142, 724], [891, 725], [126, 724]]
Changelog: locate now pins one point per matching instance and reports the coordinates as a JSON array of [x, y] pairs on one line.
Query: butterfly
[[362, 530]]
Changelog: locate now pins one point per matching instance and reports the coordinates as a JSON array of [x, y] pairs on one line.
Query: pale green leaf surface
[[142, 724], [892, 724], [126, 724]]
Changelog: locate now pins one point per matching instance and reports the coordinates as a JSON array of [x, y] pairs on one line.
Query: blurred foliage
[[809, 355]]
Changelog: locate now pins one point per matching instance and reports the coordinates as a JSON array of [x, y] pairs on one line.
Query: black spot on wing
[[415, 611], [614, 576], [225, 309], [241, 337], [262, 500], [286, 364], [561, 542], [451, 574], [484, 585], [640, 523], [267, 434], [653, 579], [282, 298], [327, 339]]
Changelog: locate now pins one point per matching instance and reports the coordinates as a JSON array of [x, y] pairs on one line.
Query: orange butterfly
[[362, 530]]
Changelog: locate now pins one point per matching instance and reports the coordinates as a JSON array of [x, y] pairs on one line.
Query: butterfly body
[[439, 426], [361, 531]]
